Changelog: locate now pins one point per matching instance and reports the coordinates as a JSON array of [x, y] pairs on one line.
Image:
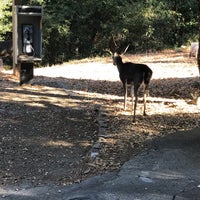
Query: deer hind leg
[[146, 91], [144, 101], [135, 106], [136, 87]]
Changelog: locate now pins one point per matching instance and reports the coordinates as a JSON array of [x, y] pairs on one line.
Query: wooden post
[[21, 69], [198, 57], [16, 67]]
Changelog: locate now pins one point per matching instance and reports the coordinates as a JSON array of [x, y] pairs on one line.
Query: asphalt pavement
[[168, 170]]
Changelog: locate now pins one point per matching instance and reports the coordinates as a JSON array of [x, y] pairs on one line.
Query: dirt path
[[49, 127]]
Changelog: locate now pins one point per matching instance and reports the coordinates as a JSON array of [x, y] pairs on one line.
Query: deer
[[133, 74], [6, 48]]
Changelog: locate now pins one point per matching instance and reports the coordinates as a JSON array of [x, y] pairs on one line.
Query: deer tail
[[147, 76]]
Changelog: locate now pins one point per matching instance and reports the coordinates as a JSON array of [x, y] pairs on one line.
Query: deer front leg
[[132, 95], [125, 93]]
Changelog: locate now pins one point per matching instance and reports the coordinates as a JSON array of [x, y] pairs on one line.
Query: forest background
[[74, 29]]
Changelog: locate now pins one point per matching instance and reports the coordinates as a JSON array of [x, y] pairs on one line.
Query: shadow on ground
[[48, 128]]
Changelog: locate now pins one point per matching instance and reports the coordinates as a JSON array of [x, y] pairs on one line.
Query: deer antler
[[117, 46], [126, 49], [114, 41]]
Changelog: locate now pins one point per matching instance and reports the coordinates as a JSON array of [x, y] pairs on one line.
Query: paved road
[[168, 170]]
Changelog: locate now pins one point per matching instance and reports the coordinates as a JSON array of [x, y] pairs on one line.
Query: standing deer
[[134, 75]]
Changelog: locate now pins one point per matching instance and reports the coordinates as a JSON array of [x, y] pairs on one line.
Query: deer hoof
[[144, 114]]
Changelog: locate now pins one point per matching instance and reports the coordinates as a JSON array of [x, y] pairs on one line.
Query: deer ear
[[116, 54]]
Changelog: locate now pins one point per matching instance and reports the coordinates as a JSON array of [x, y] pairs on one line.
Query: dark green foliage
[[77, 29]]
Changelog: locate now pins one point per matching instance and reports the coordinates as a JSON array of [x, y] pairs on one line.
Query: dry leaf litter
[[69, 123]]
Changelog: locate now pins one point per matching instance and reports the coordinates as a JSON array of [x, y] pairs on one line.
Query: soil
[[50, 127]]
